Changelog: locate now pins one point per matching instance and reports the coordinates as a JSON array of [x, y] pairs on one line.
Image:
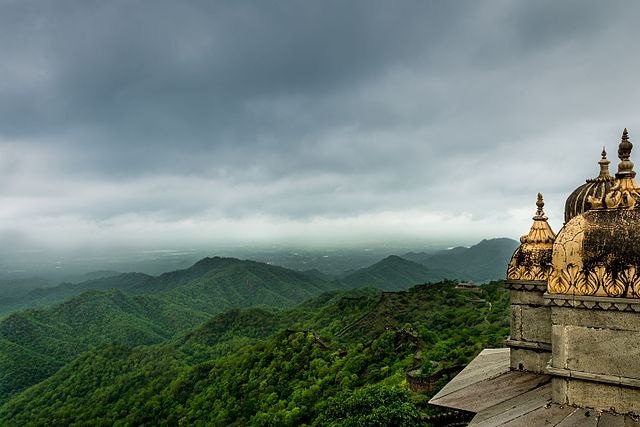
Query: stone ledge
[[528, 345], [592, 303], [588, 376], [526, 285]]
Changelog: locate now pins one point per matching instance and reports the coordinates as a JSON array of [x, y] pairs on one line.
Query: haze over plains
[[162, 124]]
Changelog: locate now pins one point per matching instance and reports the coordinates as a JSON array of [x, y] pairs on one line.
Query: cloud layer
[[152, 122]]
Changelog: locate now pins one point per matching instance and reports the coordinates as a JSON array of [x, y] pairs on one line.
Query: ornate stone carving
[[572, 277], [598, 282], [520, 285], [591, 193], [593, 302], [597, 279], [625, 193], [540, 233], [531, 273], [627, 280], [557, 285], [531, 260]]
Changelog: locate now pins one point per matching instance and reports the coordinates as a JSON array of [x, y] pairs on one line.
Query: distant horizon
[[56, 264]]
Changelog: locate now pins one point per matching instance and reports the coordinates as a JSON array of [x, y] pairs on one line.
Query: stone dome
[[578, 201], [597, 252], [532, 260]]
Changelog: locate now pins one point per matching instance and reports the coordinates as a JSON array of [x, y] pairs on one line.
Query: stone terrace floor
[[501, 397]]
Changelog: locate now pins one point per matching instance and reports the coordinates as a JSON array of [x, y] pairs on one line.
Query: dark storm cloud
[[298, 110]]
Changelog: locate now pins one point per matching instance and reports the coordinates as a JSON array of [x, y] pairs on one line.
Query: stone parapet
[[593, 302], [526, 285], [600, 395], [595, 351], [530, 321], [600, 378], [528, 345]]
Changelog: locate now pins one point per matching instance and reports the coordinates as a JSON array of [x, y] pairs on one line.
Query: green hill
[[42, 297], [394, 273], [144, 310], [242, 284], [482, 262], [225, 277], [338, 359], [38, 342]]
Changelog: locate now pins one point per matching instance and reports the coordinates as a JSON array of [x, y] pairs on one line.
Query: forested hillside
[[340, 357], [224, 281], [140, 309], [394, 274], [482, 262]]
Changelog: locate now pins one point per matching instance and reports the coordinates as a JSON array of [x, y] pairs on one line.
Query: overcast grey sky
[[175, 123]]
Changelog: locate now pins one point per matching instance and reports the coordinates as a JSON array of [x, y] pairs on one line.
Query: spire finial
[[624, 153], [540, 233], [604, 169], [540, 205]]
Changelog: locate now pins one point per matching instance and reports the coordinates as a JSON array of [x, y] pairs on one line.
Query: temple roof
[[578, 201], [532, 259], [540, 232], [598, 251]]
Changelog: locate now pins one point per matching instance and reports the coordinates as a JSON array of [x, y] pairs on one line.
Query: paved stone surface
[[500, 397], [581, 417], [490, 363], [486, 382]]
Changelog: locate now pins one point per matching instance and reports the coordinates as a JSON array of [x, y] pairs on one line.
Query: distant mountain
[[92, 275], [482, 262], [139, 309], [45, 296], [319, 274], [395, 273], [212, 274], [17, 288]]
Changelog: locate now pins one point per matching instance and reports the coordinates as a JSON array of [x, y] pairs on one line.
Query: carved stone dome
[[598, 252], [578, 201], [532, 260]]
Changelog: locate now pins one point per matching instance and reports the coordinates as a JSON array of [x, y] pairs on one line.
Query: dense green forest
[[340, 357], [140, 309]]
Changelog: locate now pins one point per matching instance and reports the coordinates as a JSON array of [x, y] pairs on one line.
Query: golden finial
[[540, 205], [540, 232], [604, 167], [625, 167]]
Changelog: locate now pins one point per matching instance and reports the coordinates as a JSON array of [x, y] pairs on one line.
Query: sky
[[154, 124]]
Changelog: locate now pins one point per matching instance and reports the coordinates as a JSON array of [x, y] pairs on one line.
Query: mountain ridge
[[138, 312], [484, 261], [395, 273]]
